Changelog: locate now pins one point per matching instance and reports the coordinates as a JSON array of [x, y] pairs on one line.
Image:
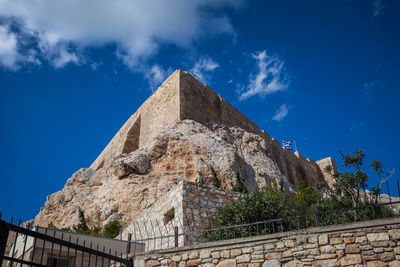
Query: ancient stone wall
[[157, 112], [372, 243], [187, 206], [199, 204], [200, 103]]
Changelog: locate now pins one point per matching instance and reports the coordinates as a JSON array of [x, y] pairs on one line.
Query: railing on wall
[[185, 232], [21, 246]]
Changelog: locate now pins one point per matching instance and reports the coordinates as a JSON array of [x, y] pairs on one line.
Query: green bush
[[274, 203]]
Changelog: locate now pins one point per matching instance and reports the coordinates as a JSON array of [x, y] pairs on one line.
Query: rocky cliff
[[126, 186], [183, 129]]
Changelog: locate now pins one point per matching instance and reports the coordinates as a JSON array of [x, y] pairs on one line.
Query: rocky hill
[[142, 163]]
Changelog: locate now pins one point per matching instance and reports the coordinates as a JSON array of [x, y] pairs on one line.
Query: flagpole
[[295, 146]]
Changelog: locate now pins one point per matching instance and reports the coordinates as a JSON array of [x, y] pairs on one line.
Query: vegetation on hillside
[[273, 203], [92, 226]]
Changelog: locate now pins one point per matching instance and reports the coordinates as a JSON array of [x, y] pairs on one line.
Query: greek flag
[[287, 145]]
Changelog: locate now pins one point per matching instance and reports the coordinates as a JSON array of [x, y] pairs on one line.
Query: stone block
[[257, 257], [313, 252], [377, 237], [394, 234], [272, 255], [236, 252], [387, 256], [243, 258], [153, 263], [323, 240], [215, 255], [176, 258], [335, 240], [328, 249], [378, 250], [205, 254], [280, 245], [257, 264], [351, 259], [361, 239], [225, 254], [287, 253], [248, 250], [269, 246], [194, 255], [376, 264], [325, 256], [377, 244], [271, 263], [289, 243], [352, 249], [349, 240], [227, 263], [182, 264], [193, 263], [326, 263]]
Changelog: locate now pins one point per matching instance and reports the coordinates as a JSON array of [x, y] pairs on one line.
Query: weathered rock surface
[[126, 186], [184, 128]]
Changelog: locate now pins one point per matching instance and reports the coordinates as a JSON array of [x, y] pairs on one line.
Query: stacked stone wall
[[199, 203], [192, 205], [372, 243]]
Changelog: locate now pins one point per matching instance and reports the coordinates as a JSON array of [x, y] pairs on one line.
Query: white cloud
[[8, 48], [155, 76], [281, 113], [137, 28], [203, 67], [270, 76], [64, 57]]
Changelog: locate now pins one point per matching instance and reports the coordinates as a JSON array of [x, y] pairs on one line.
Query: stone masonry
[[188, 206], [372, 243], [182, 97]]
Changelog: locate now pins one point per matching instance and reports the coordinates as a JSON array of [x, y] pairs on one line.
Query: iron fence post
[[176, 235], [128, 245], [315, 215], [3, 240]]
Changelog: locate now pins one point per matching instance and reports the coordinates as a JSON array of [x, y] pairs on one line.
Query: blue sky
[[323, 73]]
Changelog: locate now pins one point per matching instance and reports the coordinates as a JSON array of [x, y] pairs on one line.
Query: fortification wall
[[371, 243], [157, 112], [187, 206], [200, 103]]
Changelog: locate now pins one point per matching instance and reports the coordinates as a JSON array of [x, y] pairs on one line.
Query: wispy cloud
[[370, 87], [377, 8], [281, 113], [203, 68], [356, 125], [137, 33], [8, 48], [269, 78], [155, 76]]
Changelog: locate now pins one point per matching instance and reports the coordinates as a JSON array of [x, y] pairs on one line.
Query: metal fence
[[20, 246], [182, 232]]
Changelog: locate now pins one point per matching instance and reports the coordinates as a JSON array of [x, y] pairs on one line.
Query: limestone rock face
[[182, 129], [126, 186]]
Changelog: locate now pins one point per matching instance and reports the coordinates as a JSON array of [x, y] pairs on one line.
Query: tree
[[216, 181], [82, 226], [112, 229]]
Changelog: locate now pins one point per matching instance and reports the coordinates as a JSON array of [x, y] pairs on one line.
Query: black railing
[[21, 246], [187, 230]]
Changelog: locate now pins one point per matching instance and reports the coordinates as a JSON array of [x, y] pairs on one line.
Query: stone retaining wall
[[372, 243], [190, 205]]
